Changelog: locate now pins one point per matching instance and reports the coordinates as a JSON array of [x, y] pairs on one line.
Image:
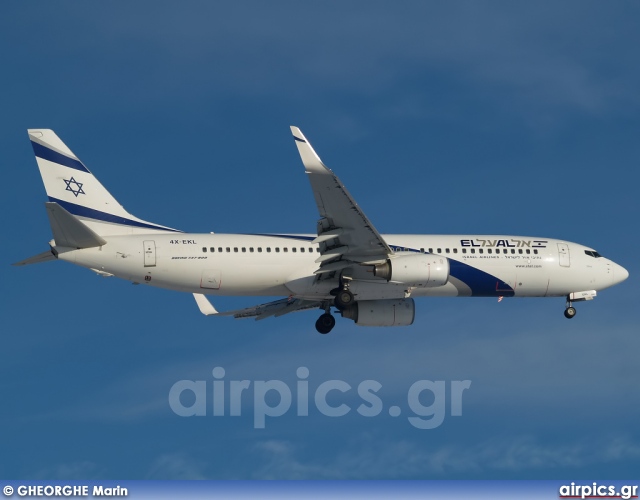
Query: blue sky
[[457, 117]]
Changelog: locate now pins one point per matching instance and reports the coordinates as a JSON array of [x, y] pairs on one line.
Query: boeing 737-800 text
[[369, 278]]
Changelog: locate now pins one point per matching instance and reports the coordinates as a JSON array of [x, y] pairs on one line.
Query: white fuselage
[[284, 265]]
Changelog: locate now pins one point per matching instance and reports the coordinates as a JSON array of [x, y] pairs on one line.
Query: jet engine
[[387, 312], [419, 270]]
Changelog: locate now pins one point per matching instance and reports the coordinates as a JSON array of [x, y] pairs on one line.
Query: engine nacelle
[[387, 312], [419, 270]]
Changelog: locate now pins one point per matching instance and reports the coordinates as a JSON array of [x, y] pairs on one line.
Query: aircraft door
[[564, 258], [149, 253]]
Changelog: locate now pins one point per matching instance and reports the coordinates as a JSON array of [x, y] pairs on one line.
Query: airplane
[[346, 265]]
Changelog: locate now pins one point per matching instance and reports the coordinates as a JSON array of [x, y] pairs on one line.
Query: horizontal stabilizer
[[36, 259], [69, 231]]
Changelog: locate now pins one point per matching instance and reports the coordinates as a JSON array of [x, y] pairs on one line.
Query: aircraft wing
[[345, 234], [262, 311]]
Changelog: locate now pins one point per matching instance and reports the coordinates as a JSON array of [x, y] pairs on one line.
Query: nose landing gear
[[570, 311]]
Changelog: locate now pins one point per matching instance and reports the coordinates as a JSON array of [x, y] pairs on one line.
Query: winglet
[[204, 305], [310, 159]]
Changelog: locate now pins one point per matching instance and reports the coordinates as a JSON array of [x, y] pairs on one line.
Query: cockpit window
[[592, 253]]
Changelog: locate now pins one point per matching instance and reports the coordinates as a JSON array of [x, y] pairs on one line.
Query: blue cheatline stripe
[[298, 139], [288, 236], [482, 284], [51, 155], [90, 213]]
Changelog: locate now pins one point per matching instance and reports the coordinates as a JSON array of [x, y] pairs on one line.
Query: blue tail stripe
[[49, 154], [90, 213]]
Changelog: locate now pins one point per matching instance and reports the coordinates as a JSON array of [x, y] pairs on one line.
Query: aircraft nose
[[619, 274]]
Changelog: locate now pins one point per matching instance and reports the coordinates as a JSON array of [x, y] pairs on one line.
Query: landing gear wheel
[[343, 299], [570, 312], [325, 323]]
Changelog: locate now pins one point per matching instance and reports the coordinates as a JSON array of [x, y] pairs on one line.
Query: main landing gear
[[343, 300], [325, 323], [570, 311], [343, 296]]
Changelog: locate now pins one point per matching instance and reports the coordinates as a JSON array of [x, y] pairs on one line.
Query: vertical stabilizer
[[71, 185]]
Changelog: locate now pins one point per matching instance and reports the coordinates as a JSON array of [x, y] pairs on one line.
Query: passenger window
[[302, 249], [464, 250], [513, 250], [422, 250], [489, 250], [268, 249], [528, 251], [285, 249], [235, 249], [519, 250], [278, 249], [259, 249], [251, 249], [228, 249], [244, 249], [535, 252], [212, 249], [431, 250], [293, 249], [473, 250], [439, 250], [204, 249], [455, 250], [481, 251], [220, 249], [310, 249]]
